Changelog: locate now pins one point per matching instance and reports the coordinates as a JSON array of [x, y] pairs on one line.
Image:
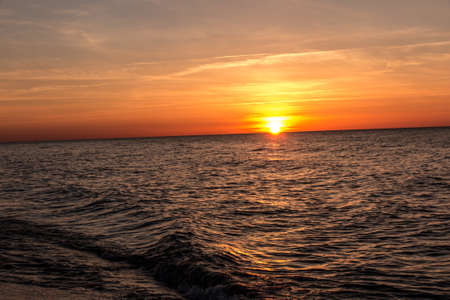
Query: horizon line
[[211, 134]]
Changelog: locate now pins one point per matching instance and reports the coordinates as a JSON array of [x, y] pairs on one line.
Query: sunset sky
[[134, 68]]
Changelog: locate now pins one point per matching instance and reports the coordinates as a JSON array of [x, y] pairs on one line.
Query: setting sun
[[275, 124]]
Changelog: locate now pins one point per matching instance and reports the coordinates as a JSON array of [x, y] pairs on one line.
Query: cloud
[[261, 59], [271, 59]]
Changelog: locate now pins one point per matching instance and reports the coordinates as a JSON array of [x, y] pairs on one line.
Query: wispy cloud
[[271, 59], [84, 37], [143, 63], [261, 59], [264, 60]]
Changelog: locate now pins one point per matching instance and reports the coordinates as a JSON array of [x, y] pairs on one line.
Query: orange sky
[[100, 69]]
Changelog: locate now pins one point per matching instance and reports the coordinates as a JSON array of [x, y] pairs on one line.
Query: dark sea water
[[326, 215]]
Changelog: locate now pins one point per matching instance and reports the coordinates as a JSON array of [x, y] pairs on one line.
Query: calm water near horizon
[[320, 215]]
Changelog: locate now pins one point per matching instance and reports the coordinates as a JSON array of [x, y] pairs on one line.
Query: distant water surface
[[327, 215]]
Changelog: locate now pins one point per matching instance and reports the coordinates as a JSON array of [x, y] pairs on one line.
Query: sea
[[311, 215]]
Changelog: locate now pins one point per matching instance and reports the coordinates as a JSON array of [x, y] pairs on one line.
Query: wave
[[176, 259], [179, 261]]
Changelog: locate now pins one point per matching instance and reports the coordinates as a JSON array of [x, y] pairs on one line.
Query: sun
[[275, 124]]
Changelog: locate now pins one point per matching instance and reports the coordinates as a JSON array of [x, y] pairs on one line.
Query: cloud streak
[[263, 59], [271, 59]]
